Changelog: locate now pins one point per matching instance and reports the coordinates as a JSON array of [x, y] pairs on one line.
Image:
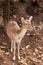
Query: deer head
[[27, 23]]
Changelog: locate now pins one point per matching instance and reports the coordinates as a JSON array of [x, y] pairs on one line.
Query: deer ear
[[30, 19], [22, 20]]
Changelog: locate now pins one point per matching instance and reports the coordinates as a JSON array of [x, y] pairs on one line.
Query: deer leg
[[14, 57], [18, 50], [12, 45]]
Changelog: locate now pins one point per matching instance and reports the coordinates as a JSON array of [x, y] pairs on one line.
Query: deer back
[[12, 28]]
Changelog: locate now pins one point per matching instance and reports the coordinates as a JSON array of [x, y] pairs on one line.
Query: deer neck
[[22, 33]]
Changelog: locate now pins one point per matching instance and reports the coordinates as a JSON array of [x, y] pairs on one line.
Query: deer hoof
[[19, 57], [14, 58]]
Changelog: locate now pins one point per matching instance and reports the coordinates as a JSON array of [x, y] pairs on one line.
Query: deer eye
[[25, 24]]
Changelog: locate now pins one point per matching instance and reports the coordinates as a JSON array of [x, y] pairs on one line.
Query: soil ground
[[31, 45]]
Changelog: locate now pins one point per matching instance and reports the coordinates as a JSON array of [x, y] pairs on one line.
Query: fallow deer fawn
[[16, 33]]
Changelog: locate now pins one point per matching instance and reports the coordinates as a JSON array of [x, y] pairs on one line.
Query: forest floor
[[31, 45]]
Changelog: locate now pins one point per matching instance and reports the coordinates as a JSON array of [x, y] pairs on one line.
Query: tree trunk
[[6, 11]]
